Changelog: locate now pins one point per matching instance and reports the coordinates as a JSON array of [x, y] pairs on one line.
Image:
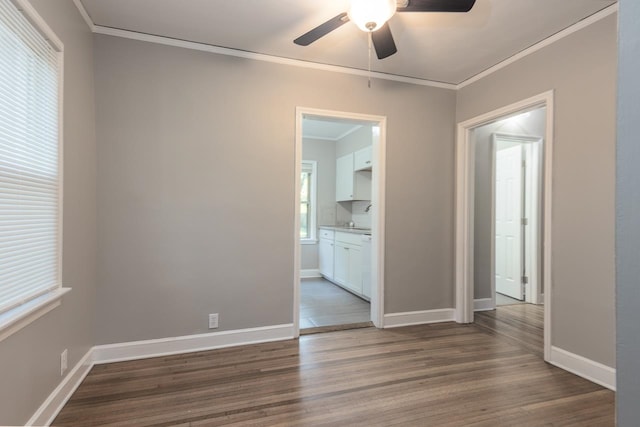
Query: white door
[[509, 206]]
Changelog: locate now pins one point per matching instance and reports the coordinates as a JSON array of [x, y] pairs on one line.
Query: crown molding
[[85, 14], [167, 41], [592, 19]]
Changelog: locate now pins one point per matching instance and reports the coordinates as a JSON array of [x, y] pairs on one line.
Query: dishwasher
[[366, 265]]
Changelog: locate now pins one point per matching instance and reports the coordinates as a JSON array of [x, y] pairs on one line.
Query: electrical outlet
[[213, 321], [63, 362]]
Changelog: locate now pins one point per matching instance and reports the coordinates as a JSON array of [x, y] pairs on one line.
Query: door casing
[[464, 196], [377, 209]]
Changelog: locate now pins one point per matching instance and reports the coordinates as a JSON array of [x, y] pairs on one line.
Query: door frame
[[464, 197], [377, 209], [532, 147]]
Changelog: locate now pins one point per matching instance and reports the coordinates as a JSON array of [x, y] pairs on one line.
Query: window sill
[[308, 241], [14, 320]]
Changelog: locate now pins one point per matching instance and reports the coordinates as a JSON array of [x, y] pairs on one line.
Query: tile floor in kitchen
[[505, 300], [324, 304]]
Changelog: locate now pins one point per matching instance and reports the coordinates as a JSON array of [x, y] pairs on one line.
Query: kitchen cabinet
[[351, 185], [326, 254], [341, 264], [363, 159], [348, 261], [344, 178]]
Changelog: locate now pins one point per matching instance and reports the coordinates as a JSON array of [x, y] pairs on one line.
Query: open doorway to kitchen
[[503, 194], [339, 232]]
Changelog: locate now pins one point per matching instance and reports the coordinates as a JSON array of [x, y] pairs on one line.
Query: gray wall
[[581, 68], [355, 141], [30, 359], [196, 194], [323, 152], [628, 217], [534, 125]]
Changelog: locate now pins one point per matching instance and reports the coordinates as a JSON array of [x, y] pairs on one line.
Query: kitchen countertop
[[345, 229]]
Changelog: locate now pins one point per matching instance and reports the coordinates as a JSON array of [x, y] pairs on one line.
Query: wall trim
[[609, 10], [135, 350], [311, 273], [85, 15], [167, 41], [395, 320], [484, 304], [586, 368], [50, 408]]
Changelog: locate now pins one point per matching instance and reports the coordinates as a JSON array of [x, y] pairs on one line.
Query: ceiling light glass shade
[[370, 15]]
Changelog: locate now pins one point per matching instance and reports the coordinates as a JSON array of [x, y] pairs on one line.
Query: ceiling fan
[[372, 16]]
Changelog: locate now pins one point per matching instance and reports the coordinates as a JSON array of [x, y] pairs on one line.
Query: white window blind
[[29, 166]]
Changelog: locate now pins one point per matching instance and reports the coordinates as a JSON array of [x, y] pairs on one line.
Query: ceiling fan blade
[[383, 42], [437, 6], [322, 30]]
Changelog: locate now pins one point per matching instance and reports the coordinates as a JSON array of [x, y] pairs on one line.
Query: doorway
[[503, 212], [339, 226]]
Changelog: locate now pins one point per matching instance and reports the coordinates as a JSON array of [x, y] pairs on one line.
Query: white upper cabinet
[[363, 159], [344, 178], [351, 184]]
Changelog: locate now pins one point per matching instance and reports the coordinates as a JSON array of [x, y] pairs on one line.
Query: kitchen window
[[30, 167], [308, 205]]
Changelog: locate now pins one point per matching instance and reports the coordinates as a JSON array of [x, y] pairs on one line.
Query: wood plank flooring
[[441, 375], [522, 323]]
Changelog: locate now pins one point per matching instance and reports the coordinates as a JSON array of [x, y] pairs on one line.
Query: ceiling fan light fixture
[[370, 15]]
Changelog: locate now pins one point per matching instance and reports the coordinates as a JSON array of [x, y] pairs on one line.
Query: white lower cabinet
[[341, 264], [354, 277], [340, 259], [326, 255], [348, 261]]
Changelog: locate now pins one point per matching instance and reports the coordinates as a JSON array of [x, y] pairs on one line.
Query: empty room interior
[[346, 212]]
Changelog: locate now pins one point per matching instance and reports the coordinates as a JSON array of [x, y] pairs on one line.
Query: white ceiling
[[441, 47], [330, 129]]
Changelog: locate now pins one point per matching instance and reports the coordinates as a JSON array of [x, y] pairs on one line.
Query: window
[[308, 209], [30, 178]]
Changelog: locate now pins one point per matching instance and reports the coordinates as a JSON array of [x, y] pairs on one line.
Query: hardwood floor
[[522, 323], [431, 375]]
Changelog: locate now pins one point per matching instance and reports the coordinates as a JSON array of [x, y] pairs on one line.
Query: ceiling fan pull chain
[[369, 82]]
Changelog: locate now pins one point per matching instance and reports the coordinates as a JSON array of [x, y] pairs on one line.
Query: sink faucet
[[367, 208]]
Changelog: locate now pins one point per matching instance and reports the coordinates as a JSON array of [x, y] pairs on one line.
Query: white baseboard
[[310, 273], [483, 304], [583, 367], [186, 344], [394, 320], [49, 410]]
